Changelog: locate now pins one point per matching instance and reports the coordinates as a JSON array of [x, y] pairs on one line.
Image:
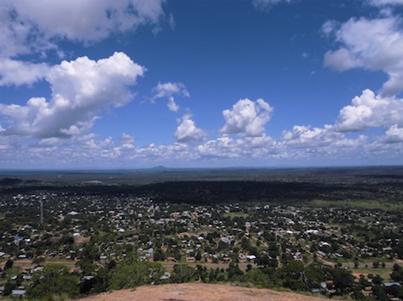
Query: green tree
[[314, 275], [87, 266], [8, 265], [292, 274], [257, 277], [54, 281], [183, 273], [343, 280], [128, 275], [234, 272], [8, 287]]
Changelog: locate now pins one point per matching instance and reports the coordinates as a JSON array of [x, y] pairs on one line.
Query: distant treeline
[[204, 192], [10, 181], [240, 191], [385, 176]]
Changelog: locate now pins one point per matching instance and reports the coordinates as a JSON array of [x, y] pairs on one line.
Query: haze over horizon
[[101, 84], [280, 168]]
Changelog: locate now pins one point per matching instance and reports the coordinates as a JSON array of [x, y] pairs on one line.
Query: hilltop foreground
[[199, 292]]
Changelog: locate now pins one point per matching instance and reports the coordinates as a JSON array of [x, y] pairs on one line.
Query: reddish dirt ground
[[199, 292]]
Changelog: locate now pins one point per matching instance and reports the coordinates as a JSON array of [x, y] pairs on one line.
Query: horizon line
[[156, 168]]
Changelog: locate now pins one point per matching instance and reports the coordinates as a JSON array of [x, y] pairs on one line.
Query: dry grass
[[199, 292]]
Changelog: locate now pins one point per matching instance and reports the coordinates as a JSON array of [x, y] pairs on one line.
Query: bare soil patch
[[199, 292]]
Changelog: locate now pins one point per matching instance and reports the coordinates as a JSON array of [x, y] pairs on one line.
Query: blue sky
[[200, 83]]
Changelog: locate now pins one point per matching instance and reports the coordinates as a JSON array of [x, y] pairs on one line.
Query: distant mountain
[[159, 168]]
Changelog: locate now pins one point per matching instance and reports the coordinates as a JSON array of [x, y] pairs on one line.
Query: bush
[[54, 281], [257, 277], [183, 273], [128, 275]]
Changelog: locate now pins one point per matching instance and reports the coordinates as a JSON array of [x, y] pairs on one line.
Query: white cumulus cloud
[[247, 117], [369, 111], [373, 44], [172, 105], [81, 20], [385, 2], [266, 4], [36, 27], [187, 131], [168, 89], [80, 90], [14, 72], [305, 140], [394, 134]]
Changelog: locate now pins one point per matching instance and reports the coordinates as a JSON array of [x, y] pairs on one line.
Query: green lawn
[[364, 204], [384, 273]]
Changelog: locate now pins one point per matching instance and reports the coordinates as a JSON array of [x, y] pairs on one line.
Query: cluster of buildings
[[41, 227]]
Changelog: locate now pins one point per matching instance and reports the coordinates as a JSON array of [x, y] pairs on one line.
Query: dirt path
[[199, 292]]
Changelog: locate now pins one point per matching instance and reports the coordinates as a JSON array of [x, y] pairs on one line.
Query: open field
[[23, 264], [359, 204], [383, 272]]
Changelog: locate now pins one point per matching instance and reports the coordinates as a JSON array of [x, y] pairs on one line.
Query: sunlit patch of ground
[[199, 292]]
